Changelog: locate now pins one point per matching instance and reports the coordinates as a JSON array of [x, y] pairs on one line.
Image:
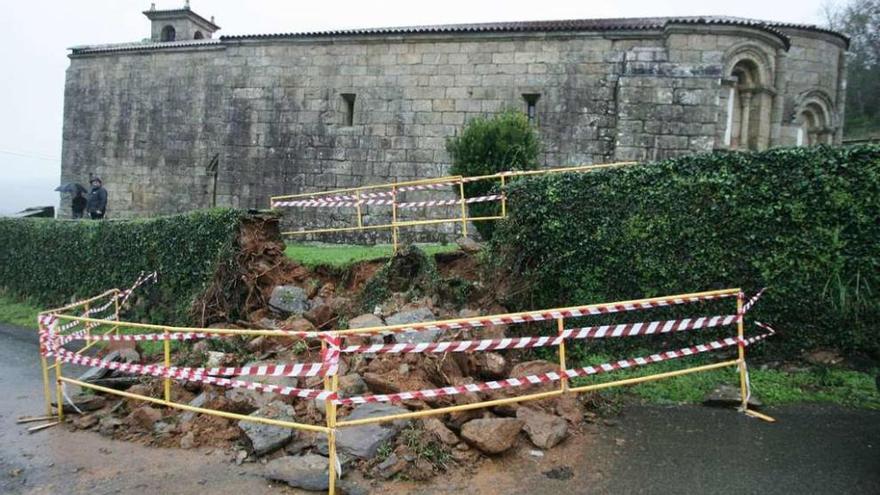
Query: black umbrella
[[72, 188]]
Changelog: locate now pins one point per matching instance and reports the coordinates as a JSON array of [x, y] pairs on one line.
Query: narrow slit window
[[532, 105], [348, 102]]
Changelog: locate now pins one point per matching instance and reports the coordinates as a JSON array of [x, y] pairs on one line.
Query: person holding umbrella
[[78, 202], [96, 204], [78, 205]]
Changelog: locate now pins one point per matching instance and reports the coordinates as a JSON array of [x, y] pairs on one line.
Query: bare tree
[[860, 20]]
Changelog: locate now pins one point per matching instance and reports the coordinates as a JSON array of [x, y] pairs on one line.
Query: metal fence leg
[[463, 209], [563, 382]]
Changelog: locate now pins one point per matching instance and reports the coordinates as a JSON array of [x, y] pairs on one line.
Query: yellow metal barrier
[[331, 384], [358, 197]]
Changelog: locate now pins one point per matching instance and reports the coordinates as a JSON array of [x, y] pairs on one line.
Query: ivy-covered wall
[[52, 262], [804, 222]]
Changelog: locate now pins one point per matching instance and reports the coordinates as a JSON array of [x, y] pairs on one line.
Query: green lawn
[[15, 312], [773, 387], [341, 255]]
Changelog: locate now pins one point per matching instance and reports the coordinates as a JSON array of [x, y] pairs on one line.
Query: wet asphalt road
[[812, 449]]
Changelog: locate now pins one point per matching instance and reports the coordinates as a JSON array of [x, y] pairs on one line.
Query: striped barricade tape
[[143, 337], [296, 369], [551, 376], [389, 202], [353, 199], [330, 355], [604, 331], [747, 306], [450, 202], [665, 356], [587, 310], [178, 374]]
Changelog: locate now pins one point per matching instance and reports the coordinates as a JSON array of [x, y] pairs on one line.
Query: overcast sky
[[35, 34]]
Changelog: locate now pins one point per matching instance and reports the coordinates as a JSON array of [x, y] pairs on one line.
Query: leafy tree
[[860, 19], [506, 141]]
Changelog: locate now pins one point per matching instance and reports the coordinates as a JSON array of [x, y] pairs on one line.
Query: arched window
[[813, 125], [198, 35], [743, 111], [749, 80], [168, 33]]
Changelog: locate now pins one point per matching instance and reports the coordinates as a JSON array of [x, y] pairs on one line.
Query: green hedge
[[805, 222], [51, 262]]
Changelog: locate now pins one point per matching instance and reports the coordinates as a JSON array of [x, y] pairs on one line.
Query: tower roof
[[182, 13]]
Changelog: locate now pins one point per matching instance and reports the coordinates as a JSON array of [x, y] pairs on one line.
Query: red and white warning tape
[[747, 306], [623, 330], [551, 376], [162, 372], [595, 309], [142, 337], [388, 202], [450, 202], [351, 199]]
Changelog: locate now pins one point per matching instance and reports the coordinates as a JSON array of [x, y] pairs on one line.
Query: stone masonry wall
[[273, 115]]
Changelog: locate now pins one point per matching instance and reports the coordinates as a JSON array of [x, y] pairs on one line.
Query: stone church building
[[186, 119]]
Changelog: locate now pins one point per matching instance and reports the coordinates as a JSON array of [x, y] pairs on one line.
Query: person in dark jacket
[[78, 206], [97, 202]]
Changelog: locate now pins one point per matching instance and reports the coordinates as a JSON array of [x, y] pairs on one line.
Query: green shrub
[[804, 221], [53, 261], [487, 146]]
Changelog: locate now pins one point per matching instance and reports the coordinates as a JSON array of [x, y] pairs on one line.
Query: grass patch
[[342, 255], [14, 311], [774, 387]]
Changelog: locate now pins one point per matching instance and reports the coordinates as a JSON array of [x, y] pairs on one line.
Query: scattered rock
[[439, 430], [84, 402], [297, 324], [568, 407], [367, 320], [267, 323], [258, 344], [327, 290], [311, 287], [215, 359], [410, 316], [537, 367], [86, 422], [352, 384], [320, 312], [389, 467], [288, 300], [363, 441], [307, 472], [492, 435], [544, 430], [468, 245], [560, 473], [199, 401], [145, 417], [188, 440], [108, 424], [379, 384], [492, 364], [248, 400], [420, 470], [265, 438], [727, 396], [123, 355], [536, 453]]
